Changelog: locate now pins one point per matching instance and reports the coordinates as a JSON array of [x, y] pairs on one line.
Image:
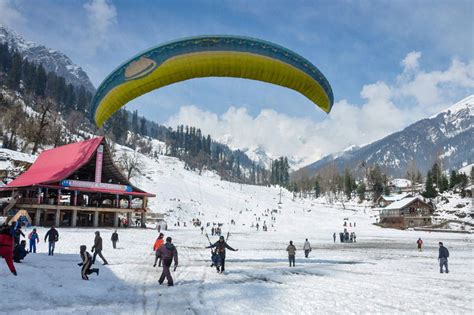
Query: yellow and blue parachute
[[209, 56]]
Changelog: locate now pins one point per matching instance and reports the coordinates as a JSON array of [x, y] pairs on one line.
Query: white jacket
[[306, 246]]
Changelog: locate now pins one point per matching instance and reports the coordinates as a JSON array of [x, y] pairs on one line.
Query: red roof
[[102, 190], [57, 164]]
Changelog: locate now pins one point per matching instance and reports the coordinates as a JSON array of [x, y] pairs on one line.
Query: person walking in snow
[[167, 253], [52, 236], [97, 248], [34, 238], [306, 248], [443, 258], [334, 237], [291, 249], [257, 226], [114, 239], [86, 263], [220, 246], [419, 243], [159, 241], [6, 247], [202, 230], [212, 231]]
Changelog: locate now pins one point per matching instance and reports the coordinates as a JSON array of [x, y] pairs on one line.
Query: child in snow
[[19, 253], [34, 238], [419, 243], [159, 241], [86, 263]]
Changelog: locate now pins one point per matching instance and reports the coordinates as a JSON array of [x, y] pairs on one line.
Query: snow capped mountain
[[52, 60], [448, 135]]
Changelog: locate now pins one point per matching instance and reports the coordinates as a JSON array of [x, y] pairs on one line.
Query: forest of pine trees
[[53, 100]]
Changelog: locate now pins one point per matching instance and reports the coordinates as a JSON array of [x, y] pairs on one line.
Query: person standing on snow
[[114, 239], [291, 249], [167, 253], [34, 238], [6, 247], [220, 246], [419, 243], [97, 248], [202, 230], [306, 248], [86, 263], [17, 235], [443, 258], [334, 237], [159, 241], [52, 236]]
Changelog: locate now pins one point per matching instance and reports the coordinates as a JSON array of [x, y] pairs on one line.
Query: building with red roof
[[75, 185]]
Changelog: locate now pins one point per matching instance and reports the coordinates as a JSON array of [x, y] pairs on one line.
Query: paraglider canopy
[[210, 56]]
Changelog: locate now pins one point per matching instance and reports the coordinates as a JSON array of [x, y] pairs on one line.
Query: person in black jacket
[[17, 235], [86, 263], [220, 246], [19, 253], [97, 248], [443, 258], [114, 239], [52, 236]]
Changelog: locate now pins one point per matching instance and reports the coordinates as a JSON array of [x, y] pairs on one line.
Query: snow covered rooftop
[[395, 197], [401, 203]]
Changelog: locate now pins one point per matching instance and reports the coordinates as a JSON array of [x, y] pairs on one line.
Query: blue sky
[[358, 45]]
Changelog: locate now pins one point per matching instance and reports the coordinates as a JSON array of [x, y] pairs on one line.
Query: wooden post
[[57, 218], [116, 220], [75, 198], [59, 197], [38, 197], [142, 219], [95, 222], [74, 218], [38, 217], [129, 218], [129, 201]]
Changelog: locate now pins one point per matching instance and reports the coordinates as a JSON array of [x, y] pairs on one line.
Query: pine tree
[[14, 75], [41, 80], [430, 191], [361, 191]]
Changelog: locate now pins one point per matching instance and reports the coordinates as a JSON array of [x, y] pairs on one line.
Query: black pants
[[306, 253], [166, 271], [291, 258], [222, 258], [114, 244], [98, 252], [86, 270]]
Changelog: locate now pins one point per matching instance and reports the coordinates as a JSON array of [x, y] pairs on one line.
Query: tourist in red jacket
[[6, 248]]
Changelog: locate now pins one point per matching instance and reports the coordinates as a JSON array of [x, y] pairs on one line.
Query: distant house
[[405, 213], [384, 201]]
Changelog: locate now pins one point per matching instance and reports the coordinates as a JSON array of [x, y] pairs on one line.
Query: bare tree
[[131, 164], [45, 106]]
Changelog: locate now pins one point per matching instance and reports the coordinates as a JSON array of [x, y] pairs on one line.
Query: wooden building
[[384, 201], [75, 185], [405, 213]]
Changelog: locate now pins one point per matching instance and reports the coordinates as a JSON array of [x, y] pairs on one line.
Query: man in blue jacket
[[443, 258]]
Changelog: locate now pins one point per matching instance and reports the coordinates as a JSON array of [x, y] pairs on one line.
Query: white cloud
[[387, 108], [9, 15], [101, 16], [411, 61]]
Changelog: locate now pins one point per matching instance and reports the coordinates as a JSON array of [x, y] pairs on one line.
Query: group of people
[[216, 231], [443, 255]]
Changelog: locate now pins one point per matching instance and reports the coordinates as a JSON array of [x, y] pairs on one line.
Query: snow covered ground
[[381, 273]]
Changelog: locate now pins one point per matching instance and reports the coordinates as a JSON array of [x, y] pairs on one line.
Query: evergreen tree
[[430, 191], [14, 75], [361, 191], [41, 80], [347, 183]]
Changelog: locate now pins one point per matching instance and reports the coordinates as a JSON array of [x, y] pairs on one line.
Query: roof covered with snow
[[402, 203]]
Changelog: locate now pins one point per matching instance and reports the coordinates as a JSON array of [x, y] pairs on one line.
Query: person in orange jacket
[[159, 241]]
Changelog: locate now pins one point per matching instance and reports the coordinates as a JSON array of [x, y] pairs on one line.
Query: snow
[[466, 169], [401, 182], [381, 273], [467, 102]]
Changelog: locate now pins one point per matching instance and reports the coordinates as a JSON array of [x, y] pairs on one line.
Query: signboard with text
[[84, 184]]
